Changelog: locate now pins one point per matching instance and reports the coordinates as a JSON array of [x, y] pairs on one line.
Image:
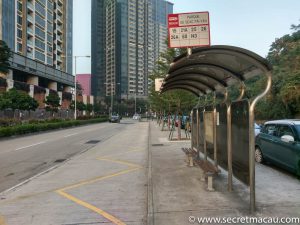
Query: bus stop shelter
[[223, 132]]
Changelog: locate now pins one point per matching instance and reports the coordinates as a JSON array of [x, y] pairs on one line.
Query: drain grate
[[158, 145], [59, 160], [92, 142]]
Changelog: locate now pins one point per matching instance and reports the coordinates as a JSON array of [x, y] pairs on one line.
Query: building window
[[19, 33], [39, 33], [19, 47], [20, 6], [40, 9], [39, 44], [40, 21], [19, 20], [49, 60], [39, 56]]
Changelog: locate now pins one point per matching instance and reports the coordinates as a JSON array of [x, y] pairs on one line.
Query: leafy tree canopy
[[5, 54], [15, 99], [171, 101], [52, 101]]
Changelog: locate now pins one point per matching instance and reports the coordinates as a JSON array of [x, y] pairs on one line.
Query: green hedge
[[30, 128]]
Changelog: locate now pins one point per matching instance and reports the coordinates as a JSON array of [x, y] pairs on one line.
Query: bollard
[[202, 175], [210, 182], [191, 161], [187, 159]]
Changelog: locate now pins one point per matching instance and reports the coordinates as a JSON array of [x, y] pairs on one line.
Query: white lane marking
[[28, 146], [69, 135]]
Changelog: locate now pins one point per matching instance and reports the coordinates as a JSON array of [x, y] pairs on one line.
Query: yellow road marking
[[132, 167], [91, 207], [123, 153], [121, 162], [2, 221], [97, 179]]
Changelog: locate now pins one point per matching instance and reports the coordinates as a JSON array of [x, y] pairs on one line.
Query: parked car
[[257, 129], [114, 119], [279, 143], [136, 117]]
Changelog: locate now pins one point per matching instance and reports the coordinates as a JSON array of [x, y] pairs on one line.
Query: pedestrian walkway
[[180, 197], [140, 177]]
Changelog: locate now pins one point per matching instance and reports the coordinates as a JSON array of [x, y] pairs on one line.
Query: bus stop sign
[[188, 29]]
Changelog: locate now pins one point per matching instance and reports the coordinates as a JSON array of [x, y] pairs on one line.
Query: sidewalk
[[120, 182], [178, 193]]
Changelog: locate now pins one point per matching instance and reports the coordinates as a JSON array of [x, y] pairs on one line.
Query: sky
[[250, 24]]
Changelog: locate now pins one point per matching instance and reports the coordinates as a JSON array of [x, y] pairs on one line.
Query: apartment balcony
[[59, 39], [29, 42], [59, 8], [58, 47], [30, 18], [59, 28], [30, 31], [30, 6], [30, 55], [58, 58], [59, 19]]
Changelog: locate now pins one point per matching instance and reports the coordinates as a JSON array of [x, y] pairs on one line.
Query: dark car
[[114, 119], [279, 143]]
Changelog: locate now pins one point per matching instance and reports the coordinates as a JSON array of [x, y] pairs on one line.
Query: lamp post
[[111, 96], [75, 102]]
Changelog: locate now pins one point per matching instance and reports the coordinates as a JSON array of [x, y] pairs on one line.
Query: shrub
[[3, 82], [43, 126]]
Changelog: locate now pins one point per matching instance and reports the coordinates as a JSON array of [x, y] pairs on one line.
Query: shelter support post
[[197, 133], [191, 125], [229, 146], [252, 141], [215, 131]]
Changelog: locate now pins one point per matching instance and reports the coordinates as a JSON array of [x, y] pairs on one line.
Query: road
[[105, 185], [23, 157]]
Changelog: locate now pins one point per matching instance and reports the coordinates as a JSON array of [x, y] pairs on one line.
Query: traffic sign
[[189, 29]]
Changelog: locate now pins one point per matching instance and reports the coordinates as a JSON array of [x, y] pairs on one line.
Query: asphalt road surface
[[24, 157]]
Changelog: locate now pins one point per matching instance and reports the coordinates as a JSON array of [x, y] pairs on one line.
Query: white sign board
[[188, 30], [158, 83]]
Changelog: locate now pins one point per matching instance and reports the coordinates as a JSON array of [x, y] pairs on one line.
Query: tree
[[80, 106], [284, 99], [14, 99], [98, 108], [171, 101], [5, 54], [52, 101], [89, 108]]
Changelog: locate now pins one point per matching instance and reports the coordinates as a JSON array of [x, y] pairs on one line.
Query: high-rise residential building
[[40, 30], [85, 82], [127, 38]]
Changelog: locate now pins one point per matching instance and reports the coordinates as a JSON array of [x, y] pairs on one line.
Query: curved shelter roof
[[212, 69]]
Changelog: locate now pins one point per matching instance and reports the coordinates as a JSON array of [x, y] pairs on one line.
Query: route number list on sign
[[189, 30]]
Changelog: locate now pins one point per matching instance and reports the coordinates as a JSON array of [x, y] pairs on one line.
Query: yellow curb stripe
[[121, 162], [97, 179], [123, 153], [91, 207]]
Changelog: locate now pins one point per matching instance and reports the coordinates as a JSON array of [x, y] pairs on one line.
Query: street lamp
[[111, 96], [75, 104], [75, 90]]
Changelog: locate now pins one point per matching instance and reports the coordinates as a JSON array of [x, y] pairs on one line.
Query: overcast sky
[[251, 24]]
